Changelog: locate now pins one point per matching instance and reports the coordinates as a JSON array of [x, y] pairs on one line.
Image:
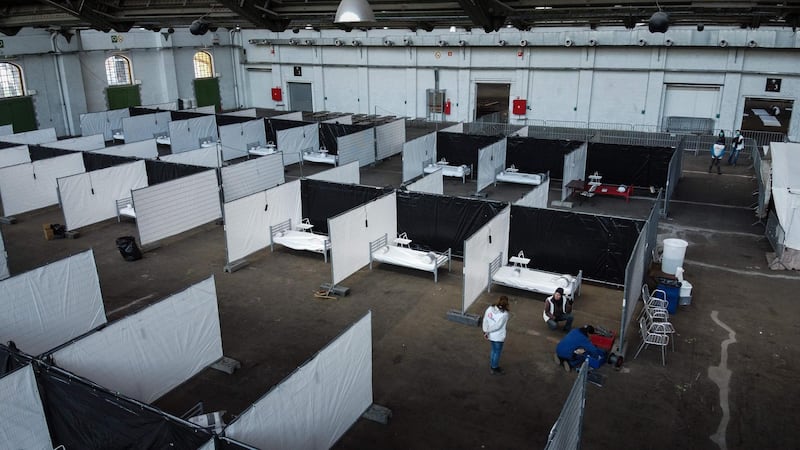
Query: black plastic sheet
[[8, 144], [184, 115], [462, 149], [140, 111], [223, 119], [437, 222], [532, 155], [565, 242], [11, 359], [38, 152], [323, 199], [632, 165], [281, 124]]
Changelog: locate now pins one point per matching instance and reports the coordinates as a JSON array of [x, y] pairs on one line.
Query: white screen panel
[[432, 183], [242, 113], [294, 141], [189, 134], [389, 138], [82, 144], [346, 174], [146, 126], [14, 155], [298, 115], [210, 109], [32, 137], [146, 149], [22, 420], [91, 197], [319, 402], [255, 175], [237, 138], [204, 157], [523, 132], [574, 169], [537, 197], [176, 206], [416, 153], [48, 306], [479, 250], [485, 168], [499, 155], [359, 146], [457, 128], [146, 355], [26, 187], [5, 130], [4, 272]]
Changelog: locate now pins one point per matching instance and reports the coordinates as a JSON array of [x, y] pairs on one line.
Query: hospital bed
[[462, 171], [125, 208], [319, 156], [299, 238], [513, 175], [518, 275], [401, 254], [258, 150]]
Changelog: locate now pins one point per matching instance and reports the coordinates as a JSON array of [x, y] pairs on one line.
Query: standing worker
[[494, 329], [717, 150], [738, 146]]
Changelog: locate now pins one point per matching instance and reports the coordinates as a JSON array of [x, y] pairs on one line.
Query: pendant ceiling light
[[354, 11]]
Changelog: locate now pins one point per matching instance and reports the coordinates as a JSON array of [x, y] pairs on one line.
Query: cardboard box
[[48, 232]]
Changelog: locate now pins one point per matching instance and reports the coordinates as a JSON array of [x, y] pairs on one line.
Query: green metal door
[[206, 92], [19, 112], [123, 96]]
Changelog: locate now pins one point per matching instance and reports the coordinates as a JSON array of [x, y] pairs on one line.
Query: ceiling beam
[[489, 14], [85, 11], [259, 17]]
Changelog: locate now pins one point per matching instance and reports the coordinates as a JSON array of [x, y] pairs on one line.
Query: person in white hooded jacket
[[494, 329]]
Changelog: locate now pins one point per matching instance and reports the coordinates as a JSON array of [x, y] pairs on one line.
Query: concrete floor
[[433, 373]]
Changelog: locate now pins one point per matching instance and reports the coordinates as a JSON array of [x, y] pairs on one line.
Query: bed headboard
[[378, 243]]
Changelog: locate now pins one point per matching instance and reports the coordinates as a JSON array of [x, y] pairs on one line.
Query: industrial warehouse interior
[[283, 224]]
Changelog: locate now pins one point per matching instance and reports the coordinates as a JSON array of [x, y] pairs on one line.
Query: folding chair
[[650, 338]]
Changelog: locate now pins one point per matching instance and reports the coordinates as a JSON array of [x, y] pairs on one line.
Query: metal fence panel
[[566, 432], [775, 234]]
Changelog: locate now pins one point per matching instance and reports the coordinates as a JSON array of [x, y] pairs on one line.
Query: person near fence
[[558, 308], [577, 347], [717, 151], [494, 324], [736, 147]]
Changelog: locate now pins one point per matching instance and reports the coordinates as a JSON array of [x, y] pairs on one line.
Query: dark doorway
[[767, 114], [492, 98], [300, 97]]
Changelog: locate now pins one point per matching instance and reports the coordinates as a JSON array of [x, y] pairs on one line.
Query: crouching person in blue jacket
[[576, 347]]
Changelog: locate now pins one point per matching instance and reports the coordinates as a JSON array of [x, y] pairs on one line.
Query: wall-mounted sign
[[298, 71], [773, 85], [117, 38]]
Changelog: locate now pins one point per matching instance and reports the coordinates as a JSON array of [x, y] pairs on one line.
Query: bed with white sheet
[[513, 175], [462, 171], [518, 275], [320, 156], [399, 253], [125, 208], [299, 237], [163, 140], [259, 150], [118, 135]]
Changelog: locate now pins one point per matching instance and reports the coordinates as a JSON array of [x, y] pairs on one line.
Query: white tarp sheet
[[81, 144], [203, 157], [149, 353], [294, 141], [103, 122], [11, 156], [170, 208], [297, 115], [433, 183], [4, 272], [345, 120], [346, 174], [242, 113], [209, 109], [31, 137], [416, 153], [146, 149], [786, 189], [537, 197], [247, 220], [389, 138], [91, 197], [30, 186], [319, 402], [255, 175], [189, 134], [522, 132], [351, 232], [146, 126], [5, 130], [237, 138], [479, 250], [574, 169], [358, 146], [457, 128], [22, 420], [48, 306], [491, 160]]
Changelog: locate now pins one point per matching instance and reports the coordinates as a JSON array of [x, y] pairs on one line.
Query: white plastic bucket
[[674, 252]]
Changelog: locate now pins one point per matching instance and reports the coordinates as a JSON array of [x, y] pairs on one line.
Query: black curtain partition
[[8, 144], [532, 155], [461, 149], [322, 200], [565, 242], [139, 111], [183, 115], [630, 164], [11, 359], [328, 132], [437, 222], [38, 152], [223, 120]]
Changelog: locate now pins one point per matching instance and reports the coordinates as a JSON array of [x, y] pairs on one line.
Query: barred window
[[203, 65], [10, 80], [118, 70]]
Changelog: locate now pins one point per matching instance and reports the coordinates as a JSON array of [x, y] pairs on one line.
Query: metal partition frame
[[567, 430]]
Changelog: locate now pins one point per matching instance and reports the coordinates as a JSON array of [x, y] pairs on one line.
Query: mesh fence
[[761, 169], [566, 432], [775, 234]]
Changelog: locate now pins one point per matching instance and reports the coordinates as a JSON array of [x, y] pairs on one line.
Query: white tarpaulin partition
[[146, 126], [574, 169], [352, 231], [297, 115], [105, 122], [345, 120], [242, 113], [204, 157], [4, 273], [479, 250], [48, 306], [147, 149], [346, 174], [237, 138], [389, 138], [457, 128], [22, 420], [149, 353], [91, 197], [786, 189], [166, 209], [358, 146], [294, 141], [6, 130], [537, 197], [30, 186], [255, 175], [11, 156], [82, 144], [491, 161], [522, 132], [432, 183], [247, 220], [32, 137], [189, 134], [319, 402], [210, 109], [416, 153]]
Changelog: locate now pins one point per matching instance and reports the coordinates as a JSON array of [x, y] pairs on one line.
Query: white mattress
[[118, 136], [163, 140], [448, 170], [535, 280], [520, 177], [319, 157], [127, 211], [406, 257], [262, 151], [301, 240]]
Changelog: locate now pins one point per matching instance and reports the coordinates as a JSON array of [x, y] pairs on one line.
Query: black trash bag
[[59, 231], [128, 249]]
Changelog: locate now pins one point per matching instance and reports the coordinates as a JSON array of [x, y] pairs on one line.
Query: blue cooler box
[[673, 296]]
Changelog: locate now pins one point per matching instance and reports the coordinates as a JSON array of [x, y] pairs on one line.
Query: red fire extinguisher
[[447, 106]]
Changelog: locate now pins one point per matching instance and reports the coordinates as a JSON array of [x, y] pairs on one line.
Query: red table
[[610, 189]]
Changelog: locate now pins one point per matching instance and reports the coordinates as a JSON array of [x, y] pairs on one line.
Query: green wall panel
[[19, 112], [123, 96], [206, 92]]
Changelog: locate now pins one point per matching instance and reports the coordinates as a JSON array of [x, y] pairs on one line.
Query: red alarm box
[[447, 107], [277, 95], [519, 106]]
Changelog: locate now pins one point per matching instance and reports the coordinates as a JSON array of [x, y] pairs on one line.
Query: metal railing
[[567, 430], [775, 234]]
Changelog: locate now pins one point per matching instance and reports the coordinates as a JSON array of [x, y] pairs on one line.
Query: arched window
[[203, 65], [10, 80], [118, 70]]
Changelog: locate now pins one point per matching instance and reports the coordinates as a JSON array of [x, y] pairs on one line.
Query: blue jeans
[[733, 157], [494, 359], [553, 324]]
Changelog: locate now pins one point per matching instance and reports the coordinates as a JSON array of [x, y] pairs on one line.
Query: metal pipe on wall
[[58, 65]]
